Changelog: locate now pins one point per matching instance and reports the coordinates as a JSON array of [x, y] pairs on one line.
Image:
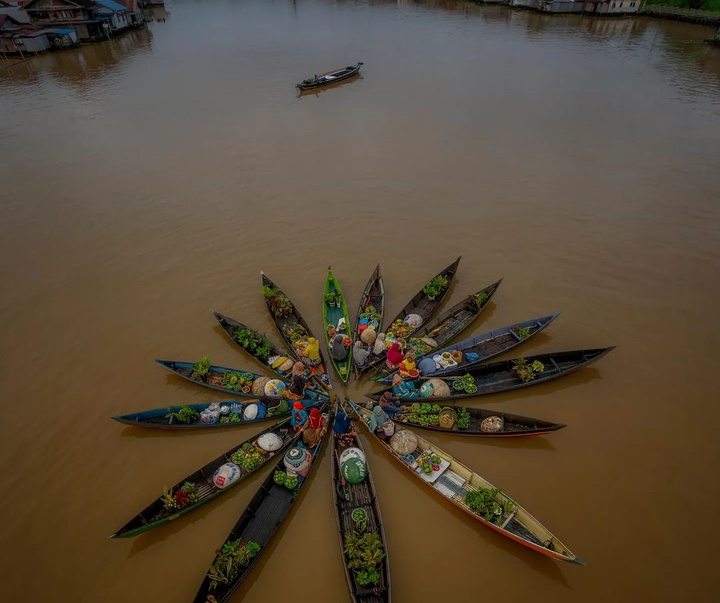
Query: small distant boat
[[329, 78]]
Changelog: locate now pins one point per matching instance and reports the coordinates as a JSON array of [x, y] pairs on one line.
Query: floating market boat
[[262, 518], [212, 480], [256, 345], [468, 491], [200, 416], [336, 323], [292, 327], [360, 525], [501, 376], [233, 381], [476, 350], [371, 308], [330, 77], [445, 328], [420, 308], [473, 421]]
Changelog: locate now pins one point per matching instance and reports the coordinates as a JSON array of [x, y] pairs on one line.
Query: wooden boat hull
[[155, 515], [157, 418], [331, 317], [518, 525], [261, 519], [445, 328], [421, 305], [320, 375], [513, 426], [499, 376], [231, 327], [487, 345], [330, 77], [184, 370], [363, 496], [373, 295]]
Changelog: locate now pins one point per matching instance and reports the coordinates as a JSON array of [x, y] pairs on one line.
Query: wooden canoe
[[156, 514], [258, 523], [445, 328], [163, 418], [256, 344], [217, 374], [485, 346], [421, 305], [293, 323], [330, 77], [332, 316], [373, 296], [347, 498], [455, 481], [500, 376], [509, 425]]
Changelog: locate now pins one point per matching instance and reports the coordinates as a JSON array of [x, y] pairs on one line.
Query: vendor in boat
[[403, 389], [377, 419], [338, 350], [300, 377], [360, 354], [407, 365], [387, 403], [379, 345], [394, 357], [343, 429], [314, 429], [311, 353], [298, 417]]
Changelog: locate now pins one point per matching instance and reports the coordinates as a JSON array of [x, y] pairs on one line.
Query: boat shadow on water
[[535, 442], [318, 91]]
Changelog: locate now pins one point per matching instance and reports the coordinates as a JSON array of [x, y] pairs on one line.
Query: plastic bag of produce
[[270, 442], [225, 475], [209, 417], [414, 320], [250, 413]]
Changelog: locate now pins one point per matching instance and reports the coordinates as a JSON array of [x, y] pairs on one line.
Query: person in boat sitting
[[298, 417], [377, 420], [387, 403], [379, 345], [314, 429], [338, 350], [343, 429], [394, 357], [311, 353], [403, 389], [300, 376], [360, 354], [407, 365]]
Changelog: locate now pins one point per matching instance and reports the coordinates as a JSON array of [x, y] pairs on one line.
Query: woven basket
[[440, 388], [258, 386]]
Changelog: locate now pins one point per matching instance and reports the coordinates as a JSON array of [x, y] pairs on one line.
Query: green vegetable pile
[[527, 372], [399, 329], [364, 553], [480, 298], [425, 419], [522, 333], [463, 420], [486, 504], [248, 457], [291, 482], [371, 314], [279, 478], [256, 344], [230, 559], [201, 369], [185, 415]]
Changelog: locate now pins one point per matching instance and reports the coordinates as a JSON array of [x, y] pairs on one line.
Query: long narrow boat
[[474, 421], [254, 530], [221, 379], [420, 305], [370, 309], [445, 328], [291, 325], [188, 416], [503, 376], [336, 322], [256, 344], [472, 493], [330, 77], [485, 346], [204, 485], [367, 585]]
